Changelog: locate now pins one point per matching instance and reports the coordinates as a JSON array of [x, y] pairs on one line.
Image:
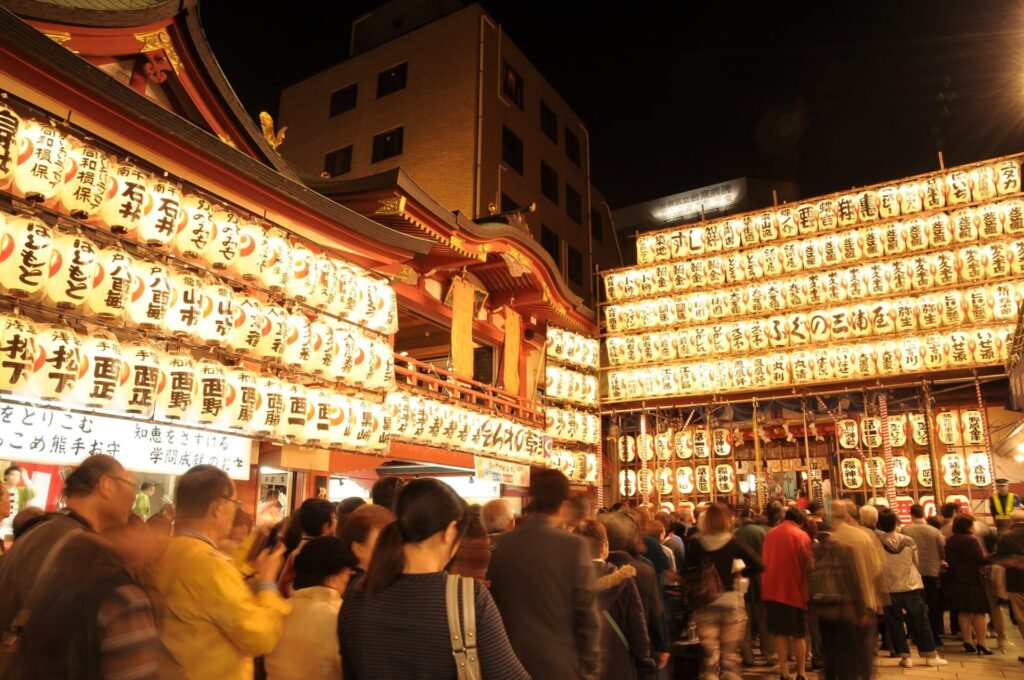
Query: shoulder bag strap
[[618, 631], [469, 620], [451, 600], [22, 617]]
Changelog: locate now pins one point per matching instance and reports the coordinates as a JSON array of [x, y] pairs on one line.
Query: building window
[[548, 122], [507, 204], [596, 225], [391, 80], [549, 182], [388, 144], [574, 266], [572, 204], [511, 149], [339, 161], [572, 147], [344, 99], [512, 84], [550, 242]]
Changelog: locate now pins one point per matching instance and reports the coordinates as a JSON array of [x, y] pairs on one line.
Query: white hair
[[869, 516], [497, 516]]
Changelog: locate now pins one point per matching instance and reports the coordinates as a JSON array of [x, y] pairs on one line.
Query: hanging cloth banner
[[462, 298], [510, 351]]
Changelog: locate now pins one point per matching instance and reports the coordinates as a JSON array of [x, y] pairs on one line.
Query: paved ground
[[961, 666]]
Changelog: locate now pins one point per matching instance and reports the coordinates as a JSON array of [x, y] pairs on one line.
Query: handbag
[[10, 643], [703, 585], [462, 630]]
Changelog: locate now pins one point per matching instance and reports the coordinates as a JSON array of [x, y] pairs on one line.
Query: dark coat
[[543, 583], [617, 594], [650, 596]]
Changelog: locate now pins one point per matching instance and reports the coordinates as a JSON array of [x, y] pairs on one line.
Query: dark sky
[[679, 95]]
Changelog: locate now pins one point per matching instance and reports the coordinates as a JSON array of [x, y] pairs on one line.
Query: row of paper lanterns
[[957, 187], [909, 355], [950, 309], [700, 479], [109, 284], [572, 386], [577, 466], [53, 363], [87, 183], [960, 427], [682, 443], [420, 419], [966, 226], [572, 347], [572, 426], [958, 469], [919, 273]]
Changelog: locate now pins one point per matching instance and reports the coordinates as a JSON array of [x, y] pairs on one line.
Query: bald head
[[497, 516], [843, 512]]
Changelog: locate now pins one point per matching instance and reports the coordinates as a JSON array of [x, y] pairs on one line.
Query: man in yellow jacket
[[212, 623]]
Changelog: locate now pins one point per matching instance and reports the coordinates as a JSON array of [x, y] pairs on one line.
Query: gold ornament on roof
[[274, 139]]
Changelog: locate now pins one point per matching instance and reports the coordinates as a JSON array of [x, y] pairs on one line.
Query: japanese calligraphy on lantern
[[725, 478], [846, 433], [684, 479], [973, 427], [978, 468], [923, 463], [627, 482], [948, 427], [953, 472], [901, 471], [870, 432], [703, 479], [38, 434], [722, 442], [897, 431], [919, 428], [875, 471], [852, 472]]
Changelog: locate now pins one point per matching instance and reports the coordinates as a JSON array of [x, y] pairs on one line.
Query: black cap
[[1002, 480], [323, 555]]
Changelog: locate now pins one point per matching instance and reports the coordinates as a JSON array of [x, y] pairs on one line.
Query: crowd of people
[[418, 584]]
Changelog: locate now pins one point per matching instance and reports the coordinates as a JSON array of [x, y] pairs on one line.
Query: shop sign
[[36, 434], [502, 471]]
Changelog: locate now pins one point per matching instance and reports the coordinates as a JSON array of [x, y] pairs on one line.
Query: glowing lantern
[[318, 420], [888, 202], [936, 352], [252, 242], [351, 292], [161, 213], [301, 281], [983, 183], [867, 205], [325, 282], [953, 471], [321, 347], [140, 377], [627, 482], [864, 360], [953, 310], [933, 191], [57, 362], [875, 467], [978, 469], [216, 323], [246, 325], [18, 336], [273, 331], [626, 448], [725, 478], [852, 472], [71, 270], [888, 358], [111, 283], [1003, 301], [195, 229], [125, 200], [296, 413], [1000, 260], [958, 188], [986, 347], [185, 303], [297, 340], [846, 210], [269, 406], [176, 391], [960, 352], [101, 370], [223, 248], [25, 251], [150, 296], [1013, 216], [385, 317], [1007, 177], [979, 309], [923, 463], [86, 178], [10, 122], [240, 399], [911, 352], [41, 163], [275, 261], [381, 374], [965, 225]]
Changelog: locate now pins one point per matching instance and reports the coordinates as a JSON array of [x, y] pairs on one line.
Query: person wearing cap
[[1002, 503], [309, 647], [1010, 554]]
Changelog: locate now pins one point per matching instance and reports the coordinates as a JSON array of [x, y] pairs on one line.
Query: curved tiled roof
[[97, 13]]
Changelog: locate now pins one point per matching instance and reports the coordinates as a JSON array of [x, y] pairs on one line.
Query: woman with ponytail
[[394, 622]]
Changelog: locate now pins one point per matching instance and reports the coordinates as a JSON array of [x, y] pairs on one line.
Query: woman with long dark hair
[[394, 622]]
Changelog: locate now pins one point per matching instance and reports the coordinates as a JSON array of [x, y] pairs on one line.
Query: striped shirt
[[128, 638], [402, 632]]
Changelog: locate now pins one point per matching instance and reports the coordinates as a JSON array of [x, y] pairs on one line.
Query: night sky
[[680, 95]]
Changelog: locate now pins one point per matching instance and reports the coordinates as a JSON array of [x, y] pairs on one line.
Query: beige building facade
[[458, 107]]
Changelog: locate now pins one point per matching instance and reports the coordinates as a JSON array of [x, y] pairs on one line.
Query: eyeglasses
[[238, 502]]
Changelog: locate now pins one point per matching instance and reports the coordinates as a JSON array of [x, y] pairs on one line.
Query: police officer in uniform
[[1002, 503]]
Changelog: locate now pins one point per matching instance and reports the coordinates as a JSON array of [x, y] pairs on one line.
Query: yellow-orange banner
[[510, 356], [462, 298]]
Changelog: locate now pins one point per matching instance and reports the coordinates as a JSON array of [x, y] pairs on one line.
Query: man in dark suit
[[543, 583]]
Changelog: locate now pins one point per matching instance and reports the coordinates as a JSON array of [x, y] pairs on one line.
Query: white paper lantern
[[958, 187], [25, 252], [195, 229], [71, 271], [102, 370], [888, 358], [177, 390], [965, 225], [41, 163], [185, 303], [852, 472], [916, 231], [321, 347], [269, 406], [161, 213], [211, 392], [252, 245], [960, 351], [150, 296], [325, 282], [1007, 177], [953, 311], [921, 272], [864, 359], [953, 471], [936, 352], [140, 378], [111, 284], [875, 468], [125, 200], [911, 352], [241, 396], [384, 317], [983, 183], [272, 333], [247, 324], [216, 323], [18, 351], [725, 478], [986, 347], [86, 178], [58, 362], [990, 221], [888, 202], [933, 191], [999, 259], [297, 408], [10, 123], [223, 248], [846, 210], [296, 349], [275, 263], [301, 280]]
